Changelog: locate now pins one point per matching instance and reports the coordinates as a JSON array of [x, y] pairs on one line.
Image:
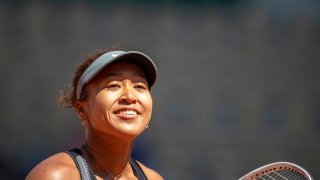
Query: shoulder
[[59, 166], [151, 174]]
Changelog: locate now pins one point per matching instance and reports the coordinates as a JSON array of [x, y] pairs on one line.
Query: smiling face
[[118, 101]]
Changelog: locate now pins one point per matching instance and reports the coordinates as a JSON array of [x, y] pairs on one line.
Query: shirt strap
[[137, 169], [85, 171]]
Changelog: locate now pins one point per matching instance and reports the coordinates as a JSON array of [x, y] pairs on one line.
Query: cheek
[[106, 98], [147, 103], [102, 103]]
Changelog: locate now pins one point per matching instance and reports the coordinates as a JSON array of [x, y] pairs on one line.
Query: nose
[[128, 94]]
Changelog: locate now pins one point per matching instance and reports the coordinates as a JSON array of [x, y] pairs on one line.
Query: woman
[[111, 96]]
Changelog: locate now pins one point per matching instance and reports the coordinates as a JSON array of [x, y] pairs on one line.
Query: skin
[[116, 110]]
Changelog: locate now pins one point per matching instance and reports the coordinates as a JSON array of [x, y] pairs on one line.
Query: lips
[[127, 113]]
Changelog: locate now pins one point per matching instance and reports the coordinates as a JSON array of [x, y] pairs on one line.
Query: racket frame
[[276, 166]]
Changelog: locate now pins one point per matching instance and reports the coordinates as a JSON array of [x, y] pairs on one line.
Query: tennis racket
[[278, 171]]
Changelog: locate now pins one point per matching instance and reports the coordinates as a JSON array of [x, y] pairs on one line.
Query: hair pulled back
[[67, 97]]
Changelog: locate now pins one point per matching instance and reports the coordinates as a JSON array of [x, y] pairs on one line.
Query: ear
[[79, 108]]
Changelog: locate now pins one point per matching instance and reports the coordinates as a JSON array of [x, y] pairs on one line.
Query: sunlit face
[[118, 101]]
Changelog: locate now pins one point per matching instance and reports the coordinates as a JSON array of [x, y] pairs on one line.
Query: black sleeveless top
[[86, 172]]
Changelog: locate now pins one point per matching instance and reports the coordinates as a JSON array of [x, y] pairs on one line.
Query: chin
[[131, 132]]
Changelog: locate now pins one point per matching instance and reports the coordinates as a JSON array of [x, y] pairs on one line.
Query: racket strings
[[281, 175]]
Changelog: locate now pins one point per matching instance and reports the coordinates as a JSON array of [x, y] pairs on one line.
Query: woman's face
[[118, 101]]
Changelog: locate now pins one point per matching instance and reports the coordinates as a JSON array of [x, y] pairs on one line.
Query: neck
[[108, 156]]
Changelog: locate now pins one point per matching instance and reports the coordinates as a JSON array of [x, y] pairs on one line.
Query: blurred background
[[238, 82]]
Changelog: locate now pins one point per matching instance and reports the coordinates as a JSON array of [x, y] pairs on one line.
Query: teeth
[[128, 112]]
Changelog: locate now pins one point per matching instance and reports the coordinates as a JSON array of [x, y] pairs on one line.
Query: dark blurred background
[[238, 83]]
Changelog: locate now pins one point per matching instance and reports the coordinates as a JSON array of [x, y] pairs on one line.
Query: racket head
[[278, 170]]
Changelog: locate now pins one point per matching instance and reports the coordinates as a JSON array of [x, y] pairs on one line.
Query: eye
[[141, 86], [113, 86]]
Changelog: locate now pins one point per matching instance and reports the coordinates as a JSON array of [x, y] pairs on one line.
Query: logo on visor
[[114, 55]]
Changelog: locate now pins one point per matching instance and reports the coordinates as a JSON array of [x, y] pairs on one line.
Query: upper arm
[[154, 175], [57, 167]]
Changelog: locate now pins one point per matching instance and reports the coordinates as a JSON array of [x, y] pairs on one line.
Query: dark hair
[[67, 97]]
